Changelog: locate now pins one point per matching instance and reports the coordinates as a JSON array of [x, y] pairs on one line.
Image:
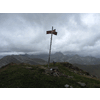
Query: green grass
[[17, 76]]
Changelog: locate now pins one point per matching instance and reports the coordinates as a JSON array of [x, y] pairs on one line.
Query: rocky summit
[[58, 75]]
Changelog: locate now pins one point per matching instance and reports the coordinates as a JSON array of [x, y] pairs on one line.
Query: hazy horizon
[[66, 54]]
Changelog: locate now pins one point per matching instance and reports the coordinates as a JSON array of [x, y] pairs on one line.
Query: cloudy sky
[[78, 33]]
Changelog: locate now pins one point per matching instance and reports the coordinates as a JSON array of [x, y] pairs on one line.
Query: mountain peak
[[76, 55], [58, 53]]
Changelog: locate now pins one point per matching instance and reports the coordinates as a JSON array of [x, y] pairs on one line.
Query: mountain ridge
[[57, 57], [20, 59], [74, 59]]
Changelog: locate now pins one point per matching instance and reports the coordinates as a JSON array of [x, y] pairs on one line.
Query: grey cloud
[[26, 32]]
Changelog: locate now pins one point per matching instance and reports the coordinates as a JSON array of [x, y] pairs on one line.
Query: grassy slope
[[17, 76], [92, 69]]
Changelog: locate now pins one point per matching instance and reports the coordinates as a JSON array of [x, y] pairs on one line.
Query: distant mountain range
[[1, 56], [43, 59], [88, 63], [21, 59], [74, 59]]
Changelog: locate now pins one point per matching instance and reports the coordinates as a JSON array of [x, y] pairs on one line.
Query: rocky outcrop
[[52, 71], [82, 84], [55, 72], [67, 86], [75, 69]]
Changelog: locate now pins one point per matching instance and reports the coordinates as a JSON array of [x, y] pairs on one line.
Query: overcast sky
[[78, 33]]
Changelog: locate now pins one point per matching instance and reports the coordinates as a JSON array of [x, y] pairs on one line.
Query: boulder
[[82, 84], [55, 74], [66, 85], [52, 71]]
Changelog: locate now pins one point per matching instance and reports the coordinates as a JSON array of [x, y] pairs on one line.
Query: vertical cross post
[[50, 48]]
